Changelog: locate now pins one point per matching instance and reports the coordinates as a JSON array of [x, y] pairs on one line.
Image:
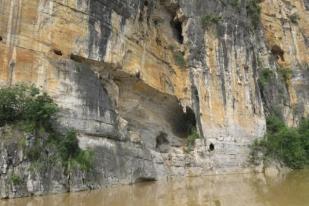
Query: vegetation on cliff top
[[32, 111], [282, 143]]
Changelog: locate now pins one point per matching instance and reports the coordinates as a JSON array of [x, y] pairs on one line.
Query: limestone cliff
[[133, 76]]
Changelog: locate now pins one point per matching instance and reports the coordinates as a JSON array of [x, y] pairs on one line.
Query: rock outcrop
[[134, 76]]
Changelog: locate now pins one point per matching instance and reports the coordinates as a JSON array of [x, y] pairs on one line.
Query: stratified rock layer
[[133, 76]]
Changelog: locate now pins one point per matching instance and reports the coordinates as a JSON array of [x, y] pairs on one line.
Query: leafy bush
[[33, 153], [191, 139], [84, 160], [274, 124], [31, 110], [289, 145], [265, 76], [25, 103], [303, 130], [210, 19], [70, 153], [15, 179], [179, 59], [68, 146], [286, 74], [294, 18], [235, 4], [254, 12]]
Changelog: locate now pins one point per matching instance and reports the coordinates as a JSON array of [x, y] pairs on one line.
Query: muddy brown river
[[221, 190]]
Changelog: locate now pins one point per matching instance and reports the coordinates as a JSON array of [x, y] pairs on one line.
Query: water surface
[[221, 190]]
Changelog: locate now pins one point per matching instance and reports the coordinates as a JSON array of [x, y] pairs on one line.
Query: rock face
[[133, 77]]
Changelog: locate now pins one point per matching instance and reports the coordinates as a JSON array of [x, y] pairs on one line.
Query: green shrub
[[68, 146], [179, 59], [15, 179], [32, 111], [254, 12], [11, 104], [191, 139], [207, 20], [289, 145], [294, 18], [274, 124], [265, 76], [235, 3], [286, 74], [84, 160], [304, 135], [70, 153], [25, 103], [33, 153]]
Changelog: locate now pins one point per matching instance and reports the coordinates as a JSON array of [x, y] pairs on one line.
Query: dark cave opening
[[57, 52], [162, 143], [185, 123], [278, 52], [76, 58], [1, 38], [161, 139], [146, 3], [177, 26], [211, 147], [145, 179]]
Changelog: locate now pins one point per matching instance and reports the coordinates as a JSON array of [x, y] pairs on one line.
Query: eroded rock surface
[[133, 76]]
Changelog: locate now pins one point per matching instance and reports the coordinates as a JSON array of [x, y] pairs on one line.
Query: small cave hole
[[185, 123], [145, 179], [162, 143], [1, 38], [146, 3], [211, 147], [138, 75], [177, 26], [57, 52], [76, 58], [278, 52], [156, 22]]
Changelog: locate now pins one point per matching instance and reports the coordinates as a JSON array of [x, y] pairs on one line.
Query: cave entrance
[[162, 143], [277, 52], [211, 147], [57, 52], [161, 139], [144, 179], [177, 27], [186, 123]]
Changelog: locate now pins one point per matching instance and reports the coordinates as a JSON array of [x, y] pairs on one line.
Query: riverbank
[[217, 190]]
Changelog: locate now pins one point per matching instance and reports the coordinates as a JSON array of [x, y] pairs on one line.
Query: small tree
[[25, 103]]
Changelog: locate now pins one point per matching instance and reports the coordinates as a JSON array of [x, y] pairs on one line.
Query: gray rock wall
[[133, 77]]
